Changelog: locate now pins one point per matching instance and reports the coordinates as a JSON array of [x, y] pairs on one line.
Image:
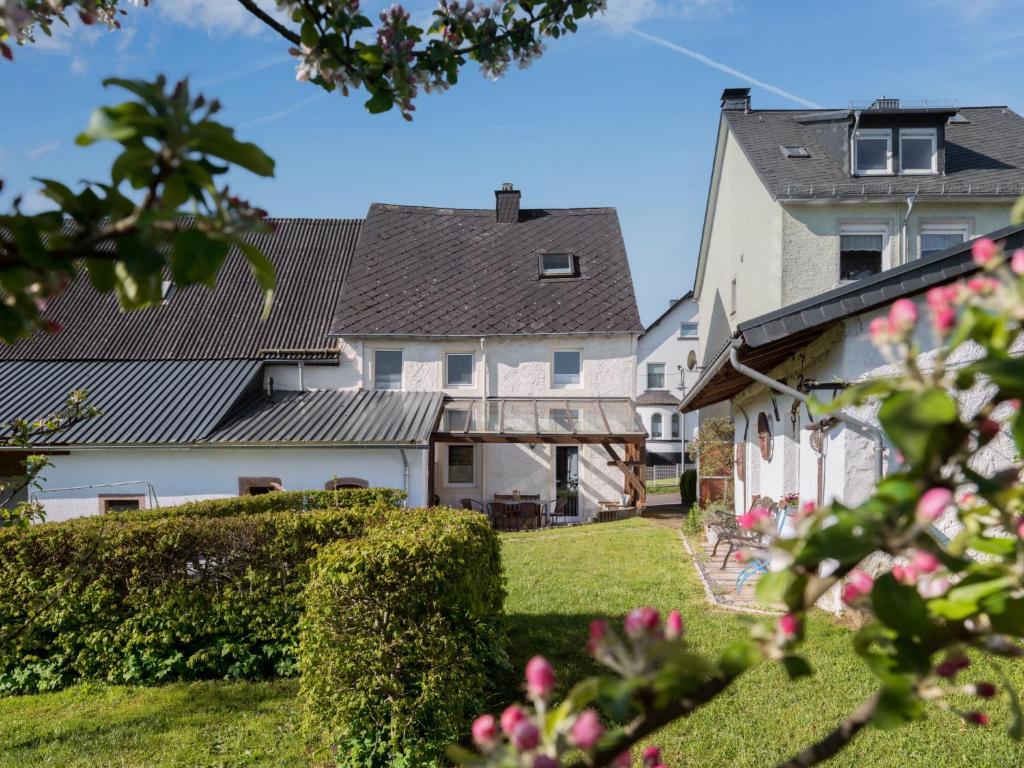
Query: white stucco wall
[[810, 235], [744, 244], [185, 474]]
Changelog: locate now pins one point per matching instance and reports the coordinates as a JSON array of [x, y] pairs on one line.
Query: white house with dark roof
[[663, 378], [816, 221], [458, 354]]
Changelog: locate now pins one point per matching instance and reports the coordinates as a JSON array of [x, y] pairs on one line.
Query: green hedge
[[401, 634], [280, 501], [132, 598], [688, 487]]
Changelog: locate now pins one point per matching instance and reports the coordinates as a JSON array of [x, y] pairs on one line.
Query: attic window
[[557, 265], [918, 150], [793, 150], [872, 152]]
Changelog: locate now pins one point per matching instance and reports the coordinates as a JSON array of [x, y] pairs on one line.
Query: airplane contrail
[[727, 69]]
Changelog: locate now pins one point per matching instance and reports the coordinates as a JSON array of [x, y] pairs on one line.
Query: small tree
[[713, 446]]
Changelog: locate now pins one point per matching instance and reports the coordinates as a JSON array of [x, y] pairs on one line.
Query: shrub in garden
[[132, 598], [942, 598], [402, 632], [279, 501], [688, 487]]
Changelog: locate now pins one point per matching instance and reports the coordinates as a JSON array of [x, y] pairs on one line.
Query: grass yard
[[558, 582]]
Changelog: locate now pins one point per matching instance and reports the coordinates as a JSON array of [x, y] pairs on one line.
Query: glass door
[[567, 477]]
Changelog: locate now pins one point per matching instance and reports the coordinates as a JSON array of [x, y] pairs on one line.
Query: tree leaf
[[263, 270], [900, 607], [915, 422]]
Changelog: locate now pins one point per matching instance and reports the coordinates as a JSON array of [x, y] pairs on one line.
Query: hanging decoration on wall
[[764, 435]]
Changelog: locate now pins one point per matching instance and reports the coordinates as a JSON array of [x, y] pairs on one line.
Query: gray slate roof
[[329, 418], [142, 402], [311, 256], [984, 157], [765, 342], [457, 272]]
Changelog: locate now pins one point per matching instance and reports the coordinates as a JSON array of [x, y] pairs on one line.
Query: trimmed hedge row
[[402, 632], [279, 501], [145, 598]]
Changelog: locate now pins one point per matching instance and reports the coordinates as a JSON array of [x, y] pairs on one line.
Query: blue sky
[[606, 117]]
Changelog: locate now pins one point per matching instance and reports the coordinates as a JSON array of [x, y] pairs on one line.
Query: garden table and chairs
[[517, 512]]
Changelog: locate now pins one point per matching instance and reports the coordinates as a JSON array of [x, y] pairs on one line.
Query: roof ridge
[[448, 211]]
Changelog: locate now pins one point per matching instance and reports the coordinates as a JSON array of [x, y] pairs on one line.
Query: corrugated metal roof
[[142, 402], [333, 417], [311, 257]]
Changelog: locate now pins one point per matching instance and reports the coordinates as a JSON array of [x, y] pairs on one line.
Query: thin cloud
[[43, 149], [284, 112], [622, 14], [727, 69], [254, 67]]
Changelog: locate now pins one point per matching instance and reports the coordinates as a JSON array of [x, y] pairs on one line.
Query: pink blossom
[[925, 562], [937, 297], [642, 620], [789, 625], [587, 729], [880, 330], [1017, 262], [905, 574], [984, 690], [673, 625], [902, 316], [931, 588], [742, 556], [525, 736], [746, 521], [933, 504], [808, 508], [623, 760], [1014, 403], [851, 594], [598, 630], [944, 319], [544, 761], [511, 718], [540, 677], [858, 586], [988, 429], [976, 718], [984, 251], [651, 757], [982, 285], [485, 730], [951, 666], [1020, 528]]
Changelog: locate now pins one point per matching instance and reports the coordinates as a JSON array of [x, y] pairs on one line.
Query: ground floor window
[[345, 482], [938, 236], [121, 502], [675, 426], [461, 469], [254, 486], [862, 251], [656, 426]]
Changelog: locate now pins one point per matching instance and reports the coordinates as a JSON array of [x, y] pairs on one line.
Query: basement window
[[557, 265], [257, 486], [119, 503]]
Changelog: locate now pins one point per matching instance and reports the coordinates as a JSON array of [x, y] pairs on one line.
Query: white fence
[[666, 471]]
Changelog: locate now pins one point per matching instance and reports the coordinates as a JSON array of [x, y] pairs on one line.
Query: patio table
[[512, 518]]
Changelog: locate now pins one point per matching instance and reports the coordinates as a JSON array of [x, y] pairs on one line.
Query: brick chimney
[[736, 98], [506, 204]]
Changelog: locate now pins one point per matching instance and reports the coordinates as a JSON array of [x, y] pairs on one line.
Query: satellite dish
[[691, 360]]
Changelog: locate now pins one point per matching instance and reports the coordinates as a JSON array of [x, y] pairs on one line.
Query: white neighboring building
[[453, 353], [663, 378]]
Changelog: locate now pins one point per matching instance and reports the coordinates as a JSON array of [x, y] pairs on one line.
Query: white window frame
[[664, 376], [373, 367], [476, 465], [554, 383], [472, 369], [568, 271], [676, 426], [920, 133], [865, 228], [661, 426], [696, 330], [942, 227], [872, 133]]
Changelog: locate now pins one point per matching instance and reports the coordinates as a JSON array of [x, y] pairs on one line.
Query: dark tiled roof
[[656, 397], [667, 312], [331, 417], [765, 342], [311, 256], [152, 402], [984, 156], [451, 272]]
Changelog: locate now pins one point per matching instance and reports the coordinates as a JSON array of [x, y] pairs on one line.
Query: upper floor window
[[656, 425], [938, 236], [655, 375], [387, 369], [567, 366], [687, 330], [675, 426], [872, 152], [458, 369], [918, 150], [557, 265], [862, 250]]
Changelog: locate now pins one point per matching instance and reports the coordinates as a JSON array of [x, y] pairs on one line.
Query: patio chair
[[472, 504], [759, 565], [728, 530], [560, 509], [497, 514]]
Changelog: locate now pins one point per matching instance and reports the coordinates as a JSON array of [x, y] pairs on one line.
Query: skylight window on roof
[[794, 150], [557, 265]]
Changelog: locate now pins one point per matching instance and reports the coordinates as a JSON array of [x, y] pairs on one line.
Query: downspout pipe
[[862, 428], [405, 474]]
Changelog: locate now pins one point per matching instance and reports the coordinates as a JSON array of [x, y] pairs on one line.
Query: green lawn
[[558, 582]]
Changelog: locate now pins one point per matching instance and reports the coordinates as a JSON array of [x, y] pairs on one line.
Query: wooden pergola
[[552, 421]]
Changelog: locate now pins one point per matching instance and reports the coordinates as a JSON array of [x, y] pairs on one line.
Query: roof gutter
[[862, 428]]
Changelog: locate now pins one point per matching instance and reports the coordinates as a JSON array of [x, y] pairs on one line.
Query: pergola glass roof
[[510, 418]]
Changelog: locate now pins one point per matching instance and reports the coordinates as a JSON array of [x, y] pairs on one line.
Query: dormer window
[[872, 152], [918, 150], [557, 264]]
